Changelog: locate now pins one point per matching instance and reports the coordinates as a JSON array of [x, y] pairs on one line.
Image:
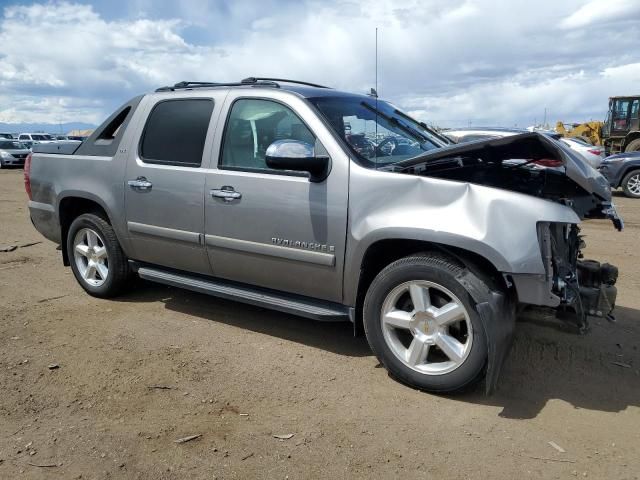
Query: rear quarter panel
[[55, 177]]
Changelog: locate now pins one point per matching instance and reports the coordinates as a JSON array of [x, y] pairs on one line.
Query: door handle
[[227, 193], [140, 184]]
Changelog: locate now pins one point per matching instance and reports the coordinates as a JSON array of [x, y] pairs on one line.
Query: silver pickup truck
[[332, 206]]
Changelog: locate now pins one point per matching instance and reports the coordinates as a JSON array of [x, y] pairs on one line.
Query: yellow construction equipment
[[590, 131]]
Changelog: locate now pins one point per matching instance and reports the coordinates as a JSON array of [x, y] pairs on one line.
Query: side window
[[634, 108], [255, 124], [175, 132], [23, 137]]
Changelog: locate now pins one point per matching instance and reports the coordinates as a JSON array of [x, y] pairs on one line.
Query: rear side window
[[175, 132]]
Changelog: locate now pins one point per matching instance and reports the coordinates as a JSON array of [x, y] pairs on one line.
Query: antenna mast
[[376, 91], [376, 59]]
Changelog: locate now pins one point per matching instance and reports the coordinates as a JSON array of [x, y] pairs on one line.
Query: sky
[[447, 62]]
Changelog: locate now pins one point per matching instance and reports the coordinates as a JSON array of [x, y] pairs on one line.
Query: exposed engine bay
[[585, 287], [536, 165]]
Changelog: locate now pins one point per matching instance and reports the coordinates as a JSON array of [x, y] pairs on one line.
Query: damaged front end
[[584, 287], [537, 165]]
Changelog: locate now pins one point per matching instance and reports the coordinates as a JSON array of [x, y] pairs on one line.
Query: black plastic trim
[[92, 146]]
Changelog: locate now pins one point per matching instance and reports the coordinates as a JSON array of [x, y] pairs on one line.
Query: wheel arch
[[383, 252], [70, 207], [627, 170]]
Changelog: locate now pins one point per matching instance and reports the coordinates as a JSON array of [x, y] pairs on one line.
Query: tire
[[633, 146], [91, 240], [397, 331], [631, 184]]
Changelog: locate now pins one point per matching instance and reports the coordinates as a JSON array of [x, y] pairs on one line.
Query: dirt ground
[[238, 375]]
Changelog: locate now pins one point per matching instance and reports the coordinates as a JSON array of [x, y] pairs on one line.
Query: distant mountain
[[61, 128]]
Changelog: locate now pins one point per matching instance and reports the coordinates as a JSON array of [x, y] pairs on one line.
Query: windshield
[[378, 133], [12, 145]]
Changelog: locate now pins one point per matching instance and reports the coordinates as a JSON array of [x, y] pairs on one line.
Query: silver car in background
[[592, 154], [12, 153]]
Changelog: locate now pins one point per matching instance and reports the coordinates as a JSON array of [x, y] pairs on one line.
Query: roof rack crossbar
[[188, 85], [284, 80], [254, 81]]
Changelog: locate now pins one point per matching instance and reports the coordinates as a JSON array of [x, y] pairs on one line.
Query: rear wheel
[[631, 184], [422, 325], [96, 258], [633, 146]]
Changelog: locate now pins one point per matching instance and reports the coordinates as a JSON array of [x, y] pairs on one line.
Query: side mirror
[[297, 156]]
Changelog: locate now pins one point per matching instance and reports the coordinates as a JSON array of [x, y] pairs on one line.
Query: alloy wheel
[[90, 255], [426, 327], [633, 184]]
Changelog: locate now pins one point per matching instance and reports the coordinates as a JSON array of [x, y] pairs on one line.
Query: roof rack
[[188, 85], [253, 81], [284, 80]]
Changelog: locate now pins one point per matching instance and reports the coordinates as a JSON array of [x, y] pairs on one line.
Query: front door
[[273, 228], [164, 185]]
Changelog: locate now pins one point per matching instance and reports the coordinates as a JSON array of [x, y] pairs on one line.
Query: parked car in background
[[623, 171], [65, 138], [6, 135], [463, 135], [591, 153], [76, 138], [31, 139], [12, 152]]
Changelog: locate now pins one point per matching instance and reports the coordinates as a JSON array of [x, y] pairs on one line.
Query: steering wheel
[[392, 141]]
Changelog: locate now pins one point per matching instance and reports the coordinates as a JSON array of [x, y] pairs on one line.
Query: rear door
[[164, 182], [273, 228]]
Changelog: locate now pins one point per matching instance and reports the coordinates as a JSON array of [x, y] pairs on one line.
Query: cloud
[[558, 96], [493, 62], [598, 11]]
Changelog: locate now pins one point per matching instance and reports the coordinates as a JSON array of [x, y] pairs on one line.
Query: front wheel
[[631, 184], [96, 258], [422, 324]]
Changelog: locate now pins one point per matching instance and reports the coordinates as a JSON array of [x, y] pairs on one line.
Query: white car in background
[[592, 154], [31, 139]]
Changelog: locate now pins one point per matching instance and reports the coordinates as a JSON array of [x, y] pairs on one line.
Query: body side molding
[[162, 232], [289, 253]]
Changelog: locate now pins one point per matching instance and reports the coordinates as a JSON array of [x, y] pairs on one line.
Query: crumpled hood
[[528, 146], [572, 182]]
